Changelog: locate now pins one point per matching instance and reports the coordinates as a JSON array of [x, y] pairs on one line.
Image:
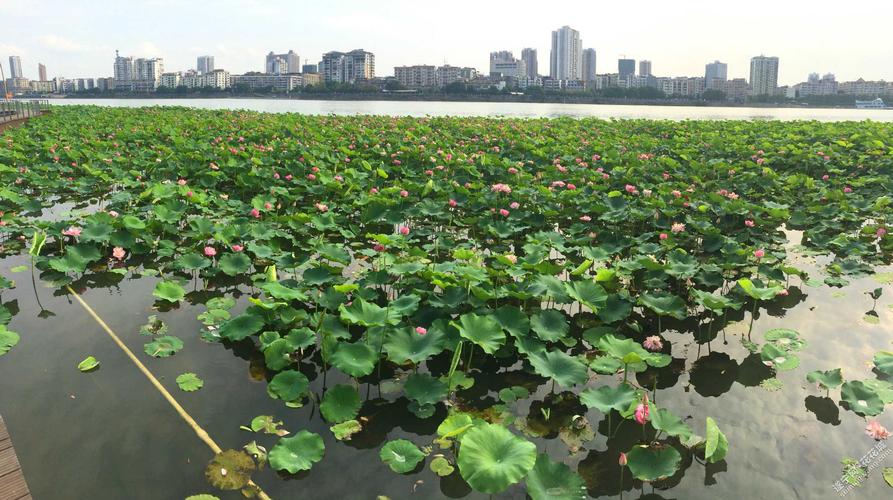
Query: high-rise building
[[341, 67], [281, 64], [123, 73], [764, 75], [420, 75], [566, 57], [147, 74], [15, 67], [41, 72], [503, 63], [528, 55], [626, 68], [644, 68], [204, 64], [716, 72], [309, 68], [588, 69]]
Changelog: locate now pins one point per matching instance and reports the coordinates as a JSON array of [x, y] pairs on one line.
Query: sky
[[77, 38]]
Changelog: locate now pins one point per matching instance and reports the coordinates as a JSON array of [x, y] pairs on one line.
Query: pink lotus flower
[[373, 191], [514, 205], [653, 343], [181, 182], [631, 189], [503, 212], [622, 460], [664, 236], [255, 213], [783, 292], [276, 175], [72, 231], [311, 177], [585, 218], [513, 170], [420, 330], [881, 232], [876, 431], [512, 258], [676, 193], [677, 227], [237, 248], [847, 189], [378, 248], [666, 176], [113, 213], [288, 177], [210, 251], [404, 193], [501, 188], [322, 207], [189, 194], [267, 206], [826, 177], [571, 187], [748, 223], [453, 202], [759, 253], [404, 230], [642, 411], [118, 253]]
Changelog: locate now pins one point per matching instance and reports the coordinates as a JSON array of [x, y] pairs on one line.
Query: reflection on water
[[108, 432], [504, 109]]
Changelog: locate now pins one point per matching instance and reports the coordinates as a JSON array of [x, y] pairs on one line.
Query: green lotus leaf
[[454, 425], [297, 453], [441, 466], [565, 369], [345, 430], [164, 346], [605, 365], [425, 389], [279, 291], [133, 223], [758, 293], [861, 399], [778, 359], [234, 264], [716, 445], [588, 293], [512, 394], [616, 309], [193, 261], [230, 470], [277, 354], [827, 379], [715, 303], [8, 339], [785, 339], [401, 455], [88, 364], [340, 403], [550, 480], [169, 291], [883, 389], [153, 326], [664, 304], [512, 320], [364, 313], [681, 265], [268, 424], [665, 421], [202, 496], [650, 463], [356, 360], [550, 325], [883, 361], [607, 398], [482, 330], [405, 345], [622, 349], [491, 458], [96, 232], [404, 306], [189, 382], [241, 327], [288, 385]]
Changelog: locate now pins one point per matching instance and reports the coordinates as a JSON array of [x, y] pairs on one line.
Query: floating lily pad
[[288, 385], [827, 379], [346, 429], [8, 339], [550, 480], [861, 399], [425, 389], [242, 326], [491, 458], [230, 470], [650, 463], [189, 382], [356, 360], [441, 466], [297, 453], [88, 364], [340, 403], [163, 346], [169, 291], [401, 455]]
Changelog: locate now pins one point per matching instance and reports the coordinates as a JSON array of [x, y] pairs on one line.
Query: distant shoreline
[[443, 97]]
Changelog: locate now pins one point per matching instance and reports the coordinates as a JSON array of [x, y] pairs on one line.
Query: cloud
[[62, 44], [148, 49], [12, 50]]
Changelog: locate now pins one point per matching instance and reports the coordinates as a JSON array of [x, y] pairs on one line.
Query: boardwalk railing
[[18, 110]]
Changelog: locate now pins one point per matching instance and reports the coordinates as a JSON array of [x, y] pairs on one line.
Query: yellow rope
[[202, 434]]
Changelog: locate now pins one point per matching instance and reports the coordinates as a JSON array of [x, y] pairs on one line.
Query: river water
[[502, 109]]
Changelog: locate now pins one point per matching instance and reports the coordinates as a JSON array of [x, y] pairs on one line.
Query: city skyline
[[81, 46]]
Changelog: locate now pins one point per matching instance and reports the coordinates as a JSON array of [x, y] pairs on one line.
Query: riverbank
[[471, 98]]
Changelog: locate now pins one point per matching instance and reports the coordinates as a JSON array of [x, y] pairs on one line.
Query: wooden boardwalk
[[12, 481]]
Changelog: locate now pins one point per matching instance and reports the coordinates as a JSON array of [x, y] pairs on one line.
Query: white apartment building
[[416, 76], [341, 67], [764, 75], [566, 57]]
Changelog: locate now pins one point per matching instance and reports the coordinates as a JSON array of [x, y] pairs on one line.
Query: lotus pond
[[355, 307]]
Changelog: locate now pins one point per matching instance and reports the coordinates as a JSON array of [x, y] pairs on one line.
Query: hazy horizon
[[77, 40]]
